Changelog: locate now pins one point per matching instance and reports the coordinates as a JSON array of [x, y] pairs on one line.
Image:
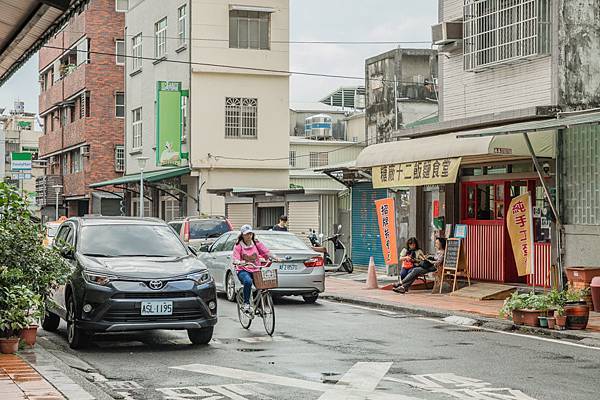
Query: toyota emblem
[[155, 285]]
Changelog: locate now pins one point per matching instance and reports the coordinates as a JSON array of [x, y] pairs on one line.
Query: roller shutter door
[[303, 216], [239, 214], [366, 241]]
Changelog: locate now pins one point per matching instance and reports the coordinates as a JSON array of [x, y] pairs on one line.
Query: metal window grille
[[136, 52], [160, 38], [292, 158], [241, 117], [499, 31], [136, 128], [119, 158], [181, 23], [120, 52], [318, 159], [249, 30]]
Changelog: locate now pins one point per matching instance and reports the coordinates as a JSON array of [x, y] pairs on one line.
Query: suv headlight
[[199, 278], [97, 278]]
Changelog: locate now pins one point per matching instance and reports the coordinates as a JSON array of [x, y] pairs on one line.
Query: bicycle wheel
[[245, 318], [268, 312]]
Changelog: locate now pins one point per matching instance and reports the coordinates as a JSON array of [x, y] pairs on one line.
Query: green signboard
[[24, 124], [21, 162], [168, 123]]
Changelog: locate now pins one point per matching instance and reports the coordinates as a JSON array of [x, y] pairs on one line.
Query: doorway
[[267, 217]]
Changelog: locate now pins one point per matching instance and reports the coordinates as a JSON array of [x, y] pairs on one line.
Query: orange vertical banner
[[386, 215], [519, 222]]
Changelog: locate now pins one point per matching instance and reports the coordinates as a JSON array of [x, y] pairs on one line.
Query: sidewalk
[[19, 381], [345, 288]]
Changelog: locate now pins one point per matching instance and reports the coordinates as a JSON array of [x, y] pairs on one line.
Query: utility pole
[[142, 165]]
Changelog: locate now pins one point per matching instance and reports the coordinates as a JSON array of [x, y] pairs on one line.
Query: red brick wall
[[102, 78]]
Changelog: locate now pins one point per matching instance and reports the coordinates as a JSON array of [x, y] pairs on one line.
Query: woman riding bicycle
[[249, 256]]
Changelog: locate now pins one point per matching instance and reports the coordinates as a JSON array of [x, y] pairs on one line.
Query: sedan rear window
[[207, 229], [130, 241], [282, 241]]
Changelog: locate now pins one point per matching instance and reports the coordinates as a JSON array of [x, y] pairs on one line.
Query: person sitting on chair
[[430, 264], [410, 256]]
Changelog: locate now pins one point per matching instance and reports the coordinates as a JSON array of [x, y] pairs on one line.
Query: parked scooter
[[340, 260]]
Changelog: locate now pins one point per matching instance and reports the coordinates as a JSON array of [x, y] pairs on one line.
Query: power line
[[325, 42], [255, 69], [354, 144]]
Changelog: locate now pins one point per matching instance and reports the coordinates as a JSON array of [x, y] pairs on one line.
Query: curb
[[588, 339]]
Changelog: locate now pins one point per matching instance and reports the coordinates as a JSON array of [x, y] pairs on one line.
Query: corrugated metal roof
[[25, 25]]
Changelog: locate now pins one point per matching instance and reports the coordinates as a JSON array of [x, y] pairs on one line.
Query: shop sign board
[[168, 123], [386, 216], [21, 162], [520, 230], [417, 173]]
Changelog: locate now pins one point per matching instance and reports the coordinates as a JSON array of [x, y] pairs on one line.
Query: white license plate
[[289, 267], [157, 307]]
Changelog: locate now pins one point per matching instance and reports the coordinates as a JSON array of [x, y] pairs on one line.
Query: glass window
[[208, 229], [176, 226], [136, 52], [121, 5], [120, 105], [182, 24], [120, 52], [292, 158], [281, 241], [131, 241], [119, 158], [485, 202], [219, 245], [76, 161], [249, 30], [241, 117], [160, 38], [136, 121]]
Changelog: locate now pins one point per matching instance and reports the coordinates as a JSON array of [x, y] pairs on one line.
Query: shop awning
[[472, 150], [154, 176]]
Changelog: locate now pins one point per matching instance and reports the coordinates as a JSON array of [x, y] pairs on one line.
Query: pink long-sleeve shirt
[[243, 253]]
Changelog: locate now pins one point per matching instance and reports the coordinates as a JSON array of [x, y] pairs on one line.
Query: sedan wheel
[[230, 287], [76, 337]]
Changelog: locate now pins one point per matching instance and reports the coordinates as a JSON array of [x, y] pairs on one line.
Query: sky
[[310, 20]]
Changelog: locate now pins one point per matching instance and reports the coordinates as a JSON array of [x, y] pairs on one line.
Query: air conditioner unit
[[85, 151], [52, 160], [446, 33], [40, 163]]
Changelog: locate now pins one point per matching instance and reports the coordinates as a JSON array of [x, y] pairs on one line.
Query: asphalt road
[[332, 351]]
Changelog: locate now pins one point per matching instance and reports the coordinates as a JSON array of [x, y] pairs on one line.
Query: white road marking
[[364, 389], [262, 339], [379, 310], [523, 335]]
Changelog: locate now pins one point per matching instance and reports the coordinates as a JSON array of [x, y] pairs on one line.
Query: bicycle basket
[[266, 278]]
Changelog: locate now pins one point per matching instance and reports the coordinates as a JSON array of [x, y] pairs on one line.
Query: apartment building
[[203, 106], [506, 69], [82, 106]]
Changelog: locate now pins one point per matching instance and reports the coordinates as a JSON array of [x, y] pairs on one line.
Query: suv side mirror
[[67, 252]]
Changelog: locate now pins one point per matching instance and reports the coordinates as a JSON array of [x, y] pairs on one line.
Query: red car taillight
[[314, 262], [186, 231]]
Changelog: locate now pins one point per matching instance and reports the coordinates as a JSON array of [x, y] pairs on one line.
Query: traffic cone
[[372, 276]]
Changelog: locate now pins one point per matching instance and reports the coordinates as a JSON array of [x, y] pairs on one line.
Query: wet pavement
[[333, 351]]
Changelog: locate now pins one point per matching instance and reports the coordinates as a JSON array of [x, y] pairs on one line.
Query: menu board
[[452, 256]]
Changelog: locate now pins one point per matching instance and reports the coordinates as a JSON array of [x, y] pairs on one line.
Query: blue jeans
[[246, 278], [404, 272]]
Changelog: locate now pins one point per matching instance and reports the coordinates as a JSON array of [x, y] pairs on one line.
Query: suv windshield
[[130, 240], [203, 229]]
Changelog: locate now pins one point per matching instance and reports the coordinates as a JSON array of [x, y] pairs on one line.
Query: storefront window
[[484, 201], [471, 203]]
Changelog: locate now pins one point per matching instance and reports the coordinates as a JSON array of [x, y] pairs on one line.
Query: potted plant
[[525, 308], [561, 318], [509, 309], [576, 308], [15, 305], [29, 332]]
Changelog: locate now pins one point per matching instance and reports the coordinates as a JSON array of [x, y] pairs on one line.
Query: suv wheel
[[230, 287], [310, 298], [76, 337], [200, 336], [50, 322]]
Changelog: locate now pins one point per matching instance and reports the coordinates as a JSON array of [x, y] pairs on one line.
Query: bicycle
[[261, 301]]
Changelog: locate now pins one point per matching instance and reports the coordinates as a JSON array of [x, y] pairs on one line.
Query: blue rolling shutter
[[365, 229]]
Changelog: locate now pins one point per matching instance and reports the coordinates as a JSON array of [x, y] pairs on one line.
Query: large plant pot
[[517, 317], [527, 317], [561, 322], [9, 346], [582, 274], [577, 315], [551, 322], [29, 334]]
